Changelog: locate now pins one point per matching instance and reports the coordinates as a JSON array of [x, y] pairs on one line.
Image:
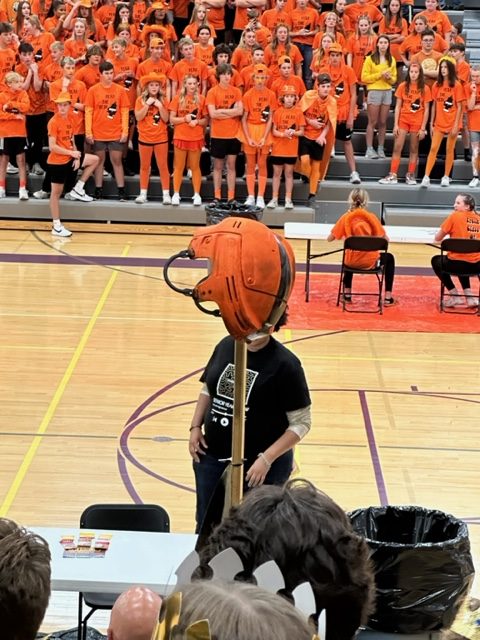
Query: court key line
[[60, 390]]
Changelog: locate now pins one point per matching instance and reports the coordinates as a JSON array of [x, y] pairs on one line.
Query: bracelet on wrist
[[196, 426], [265, 460]]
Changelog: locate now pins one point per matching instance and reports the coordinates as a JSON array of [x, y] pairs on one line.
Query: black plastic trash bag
[[423, 566], [218, 211]]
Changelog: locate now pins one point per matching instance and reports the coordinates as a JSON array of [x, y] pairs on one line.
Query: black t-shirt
[[275, 384]]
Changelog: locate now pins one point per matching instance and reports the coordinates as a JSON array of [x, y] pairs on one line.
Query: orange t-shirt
[[428, 61], [204, 54], [62, 130], [437, 21], [292, 81], [236, 81], [343, 78], [463, 71], [151, 129], [107, 104], [355, 10], [191, 30], [284, 119], [150, 66], [88, 75], [463, 224], [76, 49], [18, 103], [359, 222], [324, 111], [216, 17], [38, 10], [273, 17], [241, 58], [41, 46], [78, 93], [414, 102], [37, 98], [222, 98], [447, 102], [343, 23], [7, 62], [272, 56], [50, 72], [258, 103], [129, 84], [184, 131], [105, 14], [474, 114], [188, 68], [304, 19], [360, 47], [339, 38]]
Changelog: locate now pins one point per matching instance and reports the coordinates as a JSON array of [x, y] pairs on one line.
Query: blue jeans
[[208, 473], [307, 53]]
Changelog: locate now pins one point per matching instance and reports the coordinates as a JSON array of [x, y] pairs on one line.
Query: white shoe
[[61, 233], [141, 199], [425, 182], [167, 199], [197, 200], [288, 204], [453, 301], [11, 169], [273, 204], [37, 170], [332, 152], [260, 202], [2, 192], [176, 199], [76, 194], [41, 195], [371, 154], [106, 174], [381, 153], [250, 201], [390, 179], [445, 181], [355, 177], [189, 174], [22, 194], [410, 179], [472, 301], [474, 182]]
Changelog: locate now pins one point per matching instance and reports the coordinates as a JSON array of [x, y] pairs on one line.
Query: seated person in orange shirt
[[357, 221], [225, 108], [65, 158], [188, 65], [464, 222], [287, 78]]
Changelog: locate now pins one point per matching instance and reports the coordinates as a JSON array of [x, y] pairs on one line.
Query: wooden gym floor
[[99, 375]]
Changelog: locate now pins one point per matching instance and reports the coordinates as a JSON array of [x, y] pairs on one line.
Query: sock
[[288, 196], [369, 148], [217, 194], [23, 184], [231, 194], [143, 192], [2, 184], [166, 192], [394, 166], [80, 186], [57, 224], [380, 147], [411, 167]]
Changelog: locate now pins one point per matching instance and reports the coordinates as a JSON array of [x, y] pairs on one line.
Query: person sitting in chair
[[357, 221]]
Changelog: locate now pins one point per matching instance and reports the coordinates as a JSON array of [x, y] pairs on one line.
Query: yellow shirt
[[372, 74]]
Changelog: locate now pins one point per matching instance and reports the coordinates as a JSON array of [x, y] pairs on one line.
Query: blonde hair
[[240, 611], [13, 76], [35, 22], [183, 90], [358, 199]]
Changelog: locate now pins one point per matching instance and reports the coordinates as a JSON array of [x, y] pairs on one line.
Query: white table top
[[133, 558], [320, 231]]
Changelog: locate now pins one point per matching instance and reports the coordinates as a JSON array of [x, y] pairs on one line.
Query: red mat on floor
[[416, 309]]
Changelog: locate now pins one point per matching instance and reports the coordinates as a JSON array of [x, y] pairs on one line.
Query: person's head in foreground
[[311, 539], [24, 581], [134, 615], [234, 611]]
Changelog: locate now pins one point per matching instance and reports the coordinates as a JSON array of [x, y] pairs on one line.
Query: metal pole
[[238, 433]]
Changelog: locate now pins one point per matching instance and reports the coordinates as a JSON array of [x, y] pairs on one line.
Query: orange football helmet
[[251, 274]]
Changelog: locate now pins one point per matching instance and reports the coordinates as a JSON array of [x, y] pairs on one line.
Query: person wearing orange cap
[[287, 78], [358, 221], [84, 9], [288, 127], [281, 47], [156, 64], [151, 114], [259, 104], [159, 25], [64, 158], [13, 132], [246, 74], [225, 108], [188, 65]]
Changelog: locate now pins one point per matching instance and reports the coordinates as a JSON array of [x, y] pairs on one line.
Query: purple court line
[[372, 445], [33, 258], [128, 484]]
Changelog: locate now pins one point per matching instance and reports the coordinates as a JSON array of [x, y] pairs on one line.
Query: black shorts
[[283, 159], [222, 147], [13, 146], [343, 132], [310, 148], [59, 173]]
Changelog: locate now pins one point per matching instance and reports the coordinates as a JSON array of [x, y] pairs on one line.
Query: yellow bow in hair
[[199, 630]]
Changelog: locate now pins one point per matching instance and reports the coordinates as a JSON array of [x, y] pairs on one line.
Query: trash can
[[218, 211], [423, 566]]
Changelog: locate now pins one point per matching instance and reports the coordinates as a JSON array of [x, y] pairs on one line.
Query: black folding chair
[[363, 243], [458, 245], [117, 517]]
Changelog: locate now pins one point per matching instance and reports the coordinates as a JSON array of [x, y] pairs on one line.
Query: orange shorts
[[408, 125]]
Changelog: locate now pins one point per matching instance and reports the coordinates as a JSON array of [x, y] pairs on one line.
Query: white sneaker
[[76, 194], [197, 200], [250, 201], [273, 204], [390, 179], [176, 199], [381, 153], [425, 182], [41, 195], [474, 182], [61, 233], [2, 192], [453, 301], [355, 177], [445, 181], [141, 199], [410, 179], [37, 170], [11, 169], [260, 202], [371, 154], [22, 194], [288, 204], [106, 174], [332, 152], [167, 199], [472, 301]]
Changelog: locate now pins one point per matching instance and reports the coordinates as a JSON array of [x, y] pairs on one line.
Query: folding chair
[[363, 243], [119, 517], [458, 245]]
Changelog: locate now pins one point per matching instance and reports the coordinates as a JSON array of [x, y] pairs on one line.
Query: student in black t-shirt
[[277, 416]]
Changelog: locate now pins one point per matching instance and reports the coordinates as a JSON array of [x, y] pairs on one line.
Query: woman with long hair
[[281, 45], [188, 118], [379, 74], [152, 118], [243, 53], [123, 16], [447, 109], [24, 11], [320, 56], [394, 27], [359, 45], [84, 9], [198, 20], [76, 46], [412, 109], [330, 26]]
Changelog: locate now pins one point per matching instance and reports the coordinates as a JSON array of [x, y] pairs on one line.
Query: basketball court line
[[60, 390]]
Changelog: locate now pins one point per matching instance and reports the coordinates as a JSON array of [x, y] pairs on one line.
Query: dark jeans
[[385, 258], [307, 53], [455, 266], [36, 132], [209, 471]]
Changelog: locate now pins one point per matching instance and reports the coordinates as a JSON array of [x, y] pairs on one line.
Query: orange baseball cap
[[63, 97], [260, 68], [335, 47], [156, 42], [283, 59]]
